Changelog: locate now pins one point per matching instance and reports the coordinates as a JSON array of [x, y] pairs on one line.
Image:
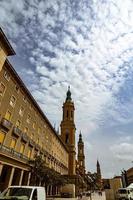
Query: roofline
[[33, 100], [6, 42]]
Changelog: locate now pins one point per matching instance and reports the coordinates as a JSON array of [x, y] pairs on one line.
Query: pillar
[[21, 177], [29, 175], [11, 176], [1, 167]]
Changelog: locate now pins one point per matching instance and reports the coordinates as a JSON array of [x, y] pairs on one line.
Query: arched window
[[80, 151], [67, 138]]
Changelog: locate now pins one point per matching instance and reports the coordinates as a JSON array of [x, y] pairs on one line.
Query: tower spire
[[99, 176], [80, 137], [68, 95]]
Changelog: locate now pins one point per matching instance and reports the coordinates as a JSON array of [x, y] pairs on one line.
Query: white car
[[24, 193]]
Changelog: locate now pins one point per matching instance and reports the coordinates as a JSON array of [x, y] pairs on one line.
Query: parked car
[[125, 193], [86, 194], [24, 193], [66, 195]]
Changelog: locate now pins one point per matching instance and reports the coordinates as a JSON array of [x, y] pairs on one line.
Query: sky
[[87, 44]]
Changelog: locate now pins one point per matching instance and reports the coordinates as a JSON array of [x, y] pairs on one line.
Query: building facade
[[129, 176], [25, 131]]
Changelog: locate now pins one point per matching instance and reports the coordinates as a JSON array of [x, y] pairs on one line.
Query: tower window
[[67, 139], [67, 113], [81, 151]]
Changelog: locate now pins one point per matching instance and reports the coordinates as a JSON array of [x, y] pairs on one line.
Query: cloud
[[123, 151]]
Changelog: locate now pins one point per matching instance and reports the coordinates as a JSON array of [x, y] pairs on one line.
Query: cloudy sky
[[87, 44]]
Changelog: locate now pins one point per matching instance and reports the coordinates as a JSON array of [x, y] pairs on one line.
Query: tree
[[40, 173]]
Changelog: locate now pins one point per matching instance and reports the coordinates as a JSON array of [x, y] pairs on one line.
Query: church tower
[[98, 169], [99, 176], [81, 156], [68, 131]]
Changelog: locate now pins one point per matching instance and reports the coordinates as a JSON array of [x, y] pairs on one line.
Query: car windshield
[[21, 193]]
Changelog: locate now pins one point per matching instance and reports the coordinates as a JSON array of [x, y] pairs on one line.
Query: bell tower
[[68, 131], [81, 156]]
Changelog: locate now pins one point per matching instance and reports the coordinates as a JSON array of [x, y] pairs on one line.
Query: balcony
[[13, 154], [17, 131], [6, 124]]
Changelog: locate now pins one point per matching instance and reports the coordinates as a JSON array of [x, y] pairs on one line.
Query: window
[[31, 107], [25, 130], [29, 153], [7, 76], [18, 123], [17, 88], [24, 99], [13, 143], [2, 137], [21, 111], [34, 197], [12, 101], [67, 139], [28, 119], [2, 89], [34, 124], [32, 136], [8, 115], [67, 113], [22, 147], [80, 151], [39, 130]]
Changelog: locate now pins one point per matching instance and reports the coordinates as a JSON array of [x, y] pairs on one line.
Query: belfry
[[81, 156]]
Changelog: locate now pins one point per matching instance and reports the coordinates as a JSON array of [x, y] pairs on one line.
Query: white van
[[24, 193], [125, 193]]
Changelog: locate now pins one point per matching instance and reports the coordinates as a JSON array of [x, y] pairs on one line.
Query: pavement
[[95, 196]]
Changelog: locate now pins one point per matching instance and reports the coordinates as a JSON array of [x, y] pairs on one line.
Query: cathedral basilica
[[77, 163]]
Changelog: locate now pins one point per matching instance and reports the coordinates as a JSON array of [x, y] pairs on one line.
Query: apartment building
[[24, 128]]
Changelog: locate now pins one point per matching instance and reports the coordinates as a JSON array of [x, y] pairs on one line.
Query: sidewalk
[[95, 196]]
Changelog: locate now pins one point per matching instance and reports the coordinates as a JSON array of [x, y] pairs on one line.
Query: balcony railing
[[12, 153], [17, 131], [6, 124]]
